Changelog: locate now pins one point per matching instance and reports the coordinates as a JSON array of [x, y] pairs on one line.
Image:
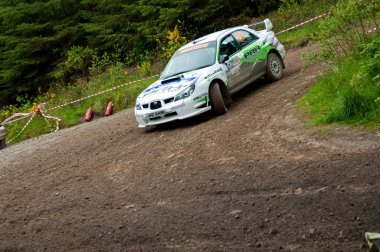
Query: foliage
[[122, 98], [77, 63], [145, 68], [351, 92], [48, 47], [293, 12], [301, 36], [346, 26], [47, 41], [174, 42]]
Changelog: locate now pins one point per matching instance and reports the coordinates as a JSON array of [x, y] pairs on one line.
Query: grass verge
[[301, 36], [350, 93], [71, 115]]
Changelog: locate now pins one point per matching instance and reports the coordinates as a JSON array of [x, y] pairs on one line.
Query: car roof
[[212, 36]]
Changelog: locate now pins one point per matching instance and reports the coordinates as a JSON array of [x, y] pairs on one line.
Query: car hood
[[169, 87]]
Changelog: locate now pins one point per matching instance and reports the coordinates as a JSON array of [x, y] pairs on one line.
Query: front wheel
[[216, 98], [274, 67]]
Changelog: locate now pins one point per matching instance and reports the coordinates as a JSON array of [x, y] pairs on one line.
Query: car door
[[228, 54], [250, 46]]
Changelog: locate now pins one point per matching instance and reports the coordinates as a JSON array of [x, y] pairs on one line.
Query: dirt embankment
[[254, 179]]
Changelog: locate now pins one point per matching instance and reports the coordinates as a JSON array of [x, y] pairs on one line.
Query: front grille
[[145, 106], [169, 100], [155, 118], [155, 105], [171, 114]]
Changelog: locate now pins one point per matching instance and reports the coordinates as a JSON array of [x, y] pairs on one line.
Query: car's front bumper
[[177, 110]]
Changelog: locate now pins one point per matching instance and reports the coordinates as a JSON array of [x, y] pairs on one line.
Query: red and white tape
[[39, 110], [303, 23], [42, 111], [102, 92], [373, 29]]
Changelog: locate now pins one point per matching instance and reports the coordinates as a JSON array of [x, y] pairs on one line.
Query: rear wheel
[[216, 98], [274, 67]]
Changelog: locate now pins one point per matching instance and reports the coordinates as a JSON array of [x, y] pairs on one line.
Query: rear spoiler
[[268, 24]]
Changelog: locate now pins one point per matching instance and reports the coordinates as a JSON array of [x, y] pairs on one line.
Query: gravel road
[[256, 179]]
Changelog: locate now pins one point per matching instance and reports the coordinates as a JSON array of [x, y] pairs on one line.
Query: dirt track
[[254, 179]]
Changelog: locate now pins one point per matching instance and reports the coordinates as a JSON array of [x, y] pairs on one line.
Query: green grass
[[297, 37], [290, 15], [348, 94], [335, 98], [71, 115]]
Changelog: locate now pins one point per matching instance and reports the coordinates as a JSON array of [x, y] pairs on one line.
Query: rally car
[[204, 73]]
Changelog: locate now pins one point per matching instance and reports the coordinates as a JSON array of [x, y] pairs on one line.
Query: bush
[[346, 27], [350, 93], [174, 42]]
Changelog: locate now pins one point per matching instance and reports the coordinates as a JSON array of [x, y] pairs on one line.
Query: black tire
[[216, 98], [2, 144], [274, 67]]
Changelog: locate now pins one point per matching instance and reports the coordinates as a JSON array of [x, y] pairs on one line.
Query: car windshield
[[190, 58]]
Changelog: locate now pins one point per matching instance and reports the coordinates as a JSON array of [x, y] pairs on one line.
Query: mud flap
[[371, 237]]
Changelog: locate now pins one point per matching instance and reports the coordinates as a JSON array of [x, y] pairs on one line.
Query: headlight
[[138, 106], [185, 93]]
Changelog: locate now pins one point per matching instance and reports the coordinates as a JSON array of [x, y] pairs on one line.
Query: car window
[[191, 58], [244, 38], [228, 47]]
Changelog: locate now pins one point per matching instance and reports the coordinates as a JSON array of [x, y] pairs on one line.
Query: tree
[[37, 35]]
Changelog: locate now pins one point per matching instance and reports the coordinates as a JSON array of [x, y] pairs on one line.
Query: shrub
[[351, 92], [174, 42]]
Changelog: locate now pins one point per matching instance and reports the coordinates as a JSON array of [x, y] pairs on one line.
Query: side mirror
[[224, 58]]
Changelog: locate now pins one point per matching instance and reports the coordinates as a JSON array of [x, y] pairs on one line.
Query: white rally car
[[203, 74]]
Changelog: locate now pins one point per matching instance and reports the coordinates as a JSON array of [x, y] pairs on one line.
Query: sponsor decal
[[204, 99], [213, 74], [167, 87], [252, 53], [164, 90], [200, 96], [234, 62], [194, 48]]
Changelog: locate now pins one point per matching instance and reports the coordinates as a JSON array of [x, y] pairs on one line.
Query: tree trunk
[[63, 8]]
